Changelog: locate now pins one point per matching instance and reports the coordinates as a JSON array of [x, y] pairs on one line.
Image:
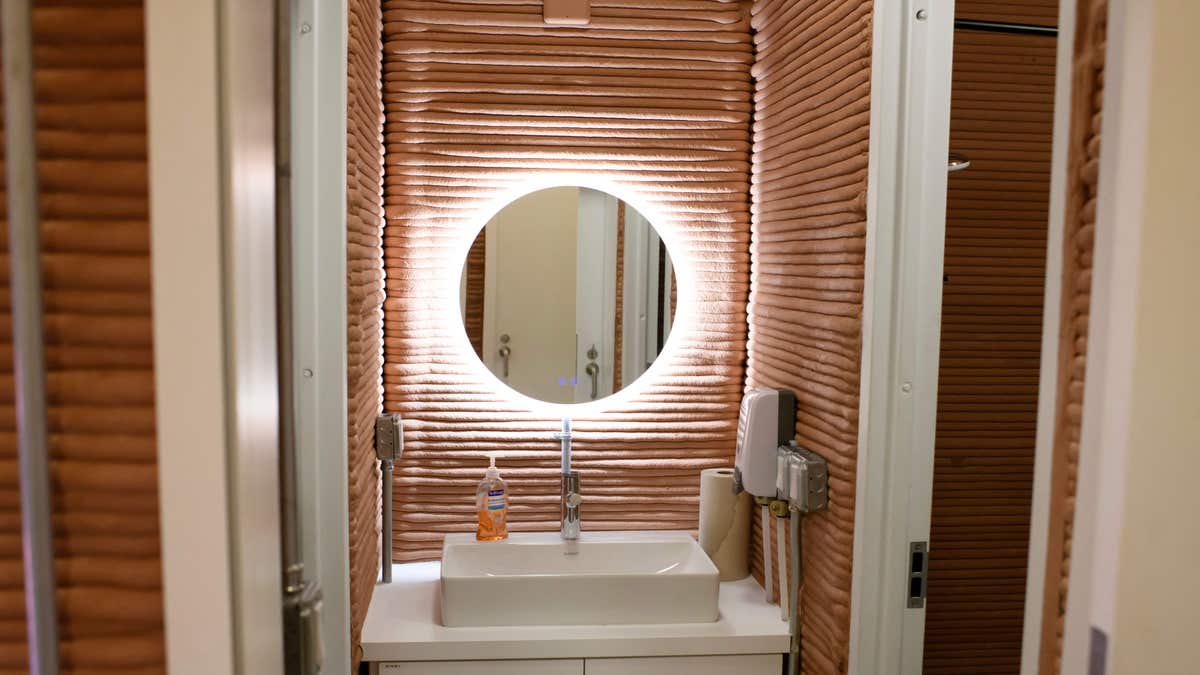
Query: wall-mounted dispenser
[[767, 420]]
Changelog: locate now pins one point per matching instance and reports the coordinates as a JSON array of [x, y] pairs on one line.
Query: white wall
[[1158, 574], [1137, 549]]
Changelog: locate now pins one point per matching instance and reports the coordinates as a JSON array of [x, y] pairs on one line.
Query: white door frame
[[906, 209], [491, 257], [212, 220], [634, 323], [318, 91], [650, 295]]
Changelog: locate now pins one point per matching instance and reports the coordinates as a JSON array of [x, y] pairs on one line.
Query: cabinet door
[[540, 667], [742, 664]]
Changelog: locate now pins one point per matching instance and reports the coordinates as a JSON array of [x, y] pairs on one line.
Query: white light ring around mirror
[[680, 326]]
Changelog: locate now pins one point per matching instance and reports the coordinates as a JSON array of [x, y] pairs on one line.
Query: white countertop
[[404, 624]]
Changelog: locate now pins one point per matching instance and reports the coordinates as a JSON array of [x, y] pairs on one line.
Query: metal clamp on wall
[[389, 446]]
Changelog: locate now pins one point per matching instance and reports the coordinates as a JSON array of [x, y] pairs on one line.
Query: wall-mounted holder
[[567, 12]]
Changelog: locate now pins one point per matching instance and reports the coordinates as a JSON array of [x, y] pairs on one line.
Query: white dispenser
[[766, 421]]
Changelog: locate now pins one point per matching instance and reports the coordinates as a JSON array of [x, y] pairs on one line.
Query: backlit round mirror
[[568, 294]]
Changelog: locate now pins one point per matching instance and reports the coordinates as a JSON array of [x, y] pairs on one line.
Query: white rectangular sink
[[602, 578]]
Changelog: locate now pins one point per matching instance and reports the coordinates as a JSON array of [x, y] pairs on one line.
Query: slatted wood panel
[[1037, 12], [91, 135], [812, 107], [1083, 162], [1002, 118], [364, 282], [481, 97]]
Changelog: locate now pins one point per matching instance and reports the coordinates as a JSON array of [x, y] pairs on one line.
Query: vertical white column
[[189, 334], [210, 80]]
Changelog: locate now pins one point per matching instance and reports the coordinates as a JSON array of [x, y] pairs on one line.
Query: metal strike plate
[[918, 567]]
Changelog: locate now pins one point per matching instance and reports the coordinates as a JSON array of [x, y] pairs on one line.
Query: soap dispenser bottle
[[491, 504]]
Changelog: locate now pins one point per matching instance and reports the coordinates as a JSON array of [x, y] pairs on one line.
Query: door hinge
[[303, 646], [918, 566]]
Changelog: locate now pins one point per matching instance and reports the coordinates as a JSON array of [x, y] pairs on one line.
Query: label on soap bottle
[[493, 516], [495, 500]]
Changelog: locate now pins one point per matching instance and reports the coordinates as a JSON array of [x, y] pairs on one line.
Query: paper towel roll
[[725, 524]]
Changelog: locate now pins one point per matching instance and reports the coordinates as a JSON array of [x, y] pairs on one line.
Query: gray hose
[[386, 466], [794, 589]]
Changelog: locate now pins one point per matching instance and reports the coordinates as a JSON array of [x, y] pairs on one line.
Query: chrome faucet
[[569, 496]]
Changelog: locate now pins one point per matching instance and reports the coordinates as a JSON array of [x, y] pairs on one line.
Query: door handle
[[594, 371], [505, 352]]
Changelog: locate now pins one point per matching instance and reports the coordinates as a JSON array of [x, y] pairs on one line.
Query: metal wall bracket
[[389, 446], [389, 437]]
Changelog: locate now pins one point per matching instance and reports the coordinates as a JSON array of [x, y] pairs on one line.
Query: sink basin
[[602, 578]]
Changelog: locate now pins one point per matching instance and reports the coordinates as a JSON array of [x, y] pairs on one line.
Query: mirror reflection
[[568, 294]]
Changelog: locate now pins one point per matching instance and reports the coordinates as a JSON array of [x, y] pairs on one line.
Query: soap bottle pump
[[491, 504]]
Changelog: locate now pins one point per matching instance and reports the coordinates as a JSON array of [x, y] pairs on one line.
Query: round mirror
[[568, 294]]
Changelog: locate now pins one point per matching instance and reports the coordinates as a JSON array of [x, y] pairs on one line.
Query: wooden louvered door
[[89, 79], [995, 254]]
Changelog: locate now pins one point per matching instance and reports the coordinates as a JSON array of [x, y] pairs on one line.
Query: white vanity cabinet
[[538, 667], [404, 634], [728, 664]]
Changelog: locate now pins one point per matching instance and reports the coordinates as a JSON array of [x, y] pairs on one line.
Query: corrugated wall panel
[[364, 307], [1002, 118], [482, 97], [1037, 12], [811, 128], [91, 121], [1083, 162]]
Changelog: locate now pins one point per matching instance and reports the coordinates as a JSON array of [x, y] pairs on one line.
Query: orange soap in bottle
[[491, 503]]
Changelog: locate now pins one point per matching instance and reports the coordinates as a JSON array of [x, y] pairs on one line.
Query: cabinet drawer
[[741, 664], [539, 667]]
